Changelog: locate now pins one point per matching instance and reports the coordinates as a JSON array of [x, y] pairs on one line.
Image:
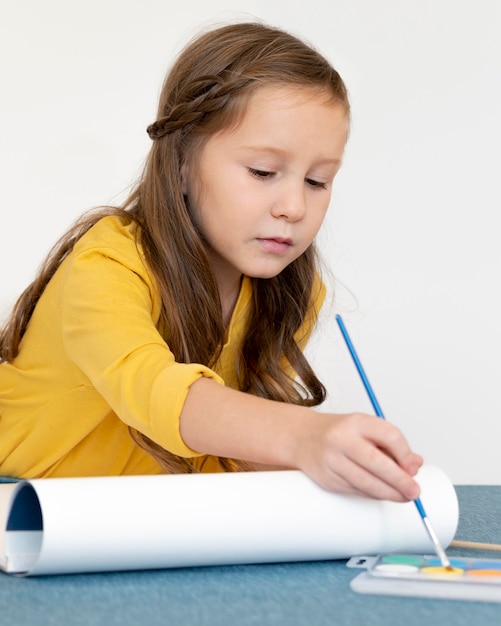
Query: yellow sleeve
[[108, 313]]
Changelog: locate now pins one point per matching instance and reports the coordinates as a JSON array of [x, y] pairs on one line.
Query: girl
[[166, 335]]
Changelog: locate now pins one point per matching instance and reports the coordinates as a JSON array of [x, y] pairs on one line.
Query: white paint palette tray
[[423, 576]]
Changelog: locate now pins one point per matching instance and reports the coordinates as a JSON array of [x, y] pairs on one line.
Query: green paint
[[403, 559]]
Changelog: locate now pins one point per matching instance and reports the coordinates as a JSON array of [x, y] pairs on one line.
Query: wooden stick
[[474, 545]]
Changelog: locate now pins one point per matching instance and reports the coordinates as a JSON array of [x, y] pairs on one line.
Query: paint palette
[[424, 576]]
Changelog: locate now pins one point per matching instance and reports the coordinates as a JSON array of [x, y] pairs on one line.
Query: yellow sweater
[[92, 363]]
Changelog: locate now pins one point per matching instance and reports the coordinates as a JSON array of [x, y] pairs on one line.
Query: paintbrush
[[429, 528]]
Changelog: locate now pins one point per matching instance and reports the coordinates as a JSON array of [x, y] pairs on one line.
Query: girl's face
[[260, 191]]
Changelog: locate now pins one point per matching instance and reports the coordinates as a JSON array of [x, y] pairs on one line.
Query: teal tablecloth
[[291, 594]]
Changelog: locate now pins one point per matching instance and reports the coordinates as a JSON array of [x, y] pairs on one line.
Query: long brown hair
[[206, 91]]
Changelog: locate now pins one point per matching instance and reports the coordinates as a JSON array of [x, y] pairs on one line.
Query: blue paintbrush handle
[[368, 388], [359, 367]]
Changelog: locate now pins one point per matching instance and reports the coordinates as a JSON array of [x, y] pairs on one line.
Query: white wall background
[[412, 236]]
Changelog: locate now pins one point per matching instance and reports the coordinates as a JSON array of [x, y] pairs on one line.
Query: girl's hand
[[357, 454]]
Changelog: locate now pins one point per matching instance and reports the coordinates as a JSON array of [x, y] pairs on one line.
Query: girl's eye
[[260, 173], [264, 174], [316, 184]]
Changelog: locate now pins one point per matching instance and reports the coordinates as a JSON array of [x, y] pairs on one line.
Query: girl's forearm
[[220, 421]]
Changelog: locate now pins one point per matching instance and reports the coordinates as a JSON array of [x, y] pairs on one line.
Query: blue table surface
[[289, 594]]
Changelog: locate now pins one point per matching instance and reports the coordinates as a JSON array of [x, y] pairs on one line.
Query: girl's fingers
[[349, 477], [388, 438], [376, 460], [376, 469]]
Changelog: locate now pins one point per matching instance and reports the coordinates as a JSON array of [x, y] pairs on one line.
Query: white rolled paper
[[72, 525]]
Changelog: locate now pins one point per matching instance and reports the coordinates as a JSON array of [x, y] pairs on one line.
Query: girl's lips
[[276, 245]]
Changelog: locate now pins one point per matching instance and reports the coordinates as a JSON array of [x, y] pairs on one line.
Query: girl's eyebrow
[[280, 152], [264, 148]]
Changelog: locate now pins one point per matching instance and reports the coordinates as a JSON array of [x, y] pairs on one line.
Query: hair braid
[[206, 95]]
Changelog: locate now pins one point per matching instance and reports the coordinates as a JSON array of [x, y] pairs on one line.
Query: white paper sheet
[[148, 522]]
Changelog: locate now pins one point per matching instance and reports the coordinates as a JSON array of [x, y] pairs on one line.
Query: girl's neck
[[229, 296], [229, 281]]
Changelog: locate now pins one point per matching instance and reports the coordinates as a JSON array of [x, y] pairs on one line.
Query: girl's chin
[[266, 274]]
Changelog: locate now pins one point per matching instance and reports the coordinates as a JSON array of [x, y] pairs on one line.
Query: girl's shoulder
[[112, 236], [111, 246], [108, 231]]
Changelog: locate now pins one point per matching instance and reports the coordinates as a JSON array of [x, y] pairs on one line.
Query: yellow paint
[[452, 571]]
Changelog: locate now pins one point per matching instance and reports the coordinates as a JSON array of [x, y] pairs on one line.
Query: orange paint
[[484, 572]]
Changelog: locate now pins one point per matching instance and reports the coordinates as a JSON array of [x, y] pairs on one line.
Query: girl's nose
[[290, 204]]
